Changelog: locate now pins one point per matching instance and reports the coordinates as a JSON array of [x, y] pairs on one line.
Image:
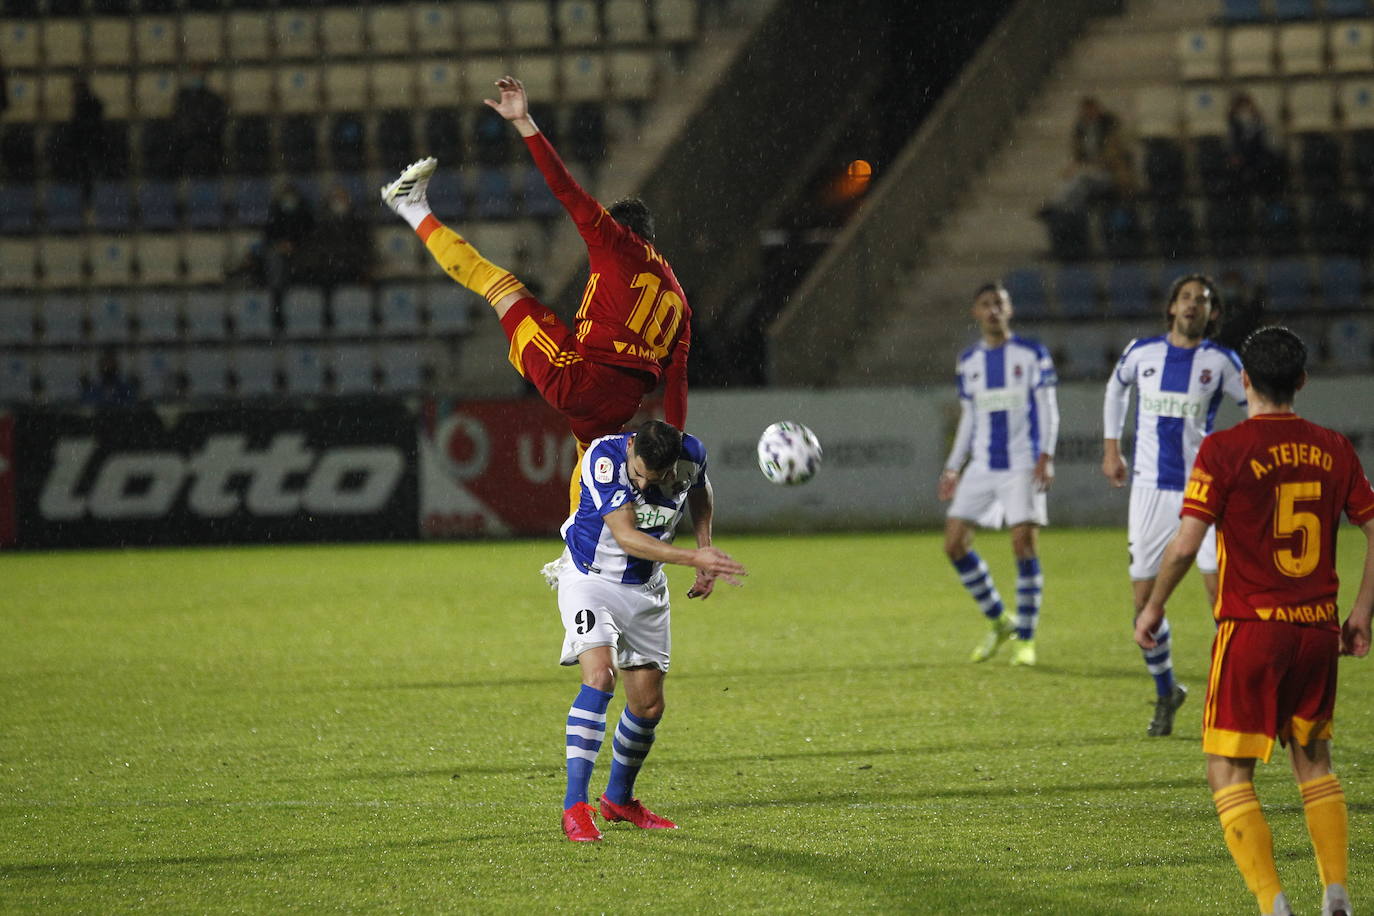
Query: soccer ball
[[789, 453]]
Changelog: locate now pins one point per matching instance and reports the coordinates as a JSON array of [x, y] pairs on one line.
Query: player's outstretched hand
[[513, 104], [703, 586], [1146, 622], [717, 563], [1355, 635]]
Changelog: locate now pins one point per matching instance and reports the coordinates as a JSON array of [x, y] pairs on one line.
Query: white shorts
[[633, 619], [990, 498], [1152, 524]]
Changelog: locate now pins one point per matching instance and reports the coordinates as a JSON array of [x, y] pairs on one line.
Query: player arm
[[1178, 559], [701, 502], [584, 209], [1115, 402], [958, 452], [636, 543], [675, 380], [1047, 407]]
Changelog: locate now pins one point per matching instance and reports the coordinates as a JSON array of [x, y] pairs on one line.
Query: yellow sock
[[1323, 801], [465, 264], [575, 484], [1248, 838]]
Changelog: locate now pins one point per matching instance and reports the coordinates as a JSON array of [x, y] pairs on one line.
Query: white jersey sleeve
[[1117, 400], [963, 437]]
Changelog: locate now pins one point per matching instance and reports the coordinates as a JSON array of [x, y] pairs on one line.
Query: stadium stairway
[[915, 315]]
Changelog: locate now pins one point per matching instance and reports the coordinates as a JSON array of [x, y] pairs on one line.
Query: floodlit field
[[381, 728]]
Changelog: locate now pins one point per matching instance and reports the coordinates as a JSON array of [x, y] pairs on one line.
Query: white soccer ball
[[789, 453]]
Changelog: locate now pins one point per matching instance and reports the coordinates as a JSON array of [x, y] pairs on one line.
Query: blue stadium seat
[[17, 208], [252, 199], [1173, 229], [1076, 290], [1346, 9], [204, 203], [1287, 285], [1130, 291], [1026, 286], [1295, 9], [111, 205], [446, 194], [1340, 282], [157, 205], [493, 196], [62, 207], [539, 200], [1242, 10], [348, 142]]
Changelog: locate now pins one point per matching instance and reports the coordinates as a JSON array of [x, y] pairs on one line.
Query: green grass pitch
[[379, 728]]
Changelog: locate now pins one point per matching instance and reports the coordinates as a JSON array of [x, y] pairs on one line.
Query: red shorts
[[1269, 680], [597, 399]]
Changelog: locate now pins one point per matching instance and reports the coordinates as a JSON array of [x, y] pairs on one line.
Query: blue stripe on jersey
[[1177, 376], [995, 364], [1212, 406]]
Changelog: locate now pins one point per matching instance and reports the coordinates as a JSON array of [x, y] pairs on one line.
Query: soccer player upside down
[[634, 324]]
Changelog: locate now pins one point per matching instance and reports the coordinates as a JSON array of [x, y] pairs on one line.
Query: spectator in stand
[[109, 388], [199, 115], [1257, 167], [1242, 310], [290, 225], [1101, 165], [341, 248], [86, 134]]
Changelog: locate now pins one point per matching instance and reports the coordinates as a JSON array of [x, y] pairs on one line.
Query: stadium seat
[[353, 369], [300, 143], [1250, 51], [342, 33], [24, 95], [207, 372], [444, 134], [1277, 227], [204, 203], [345, 87], [63, 210], [348, 142], [1242, 10], [204, 255], [110, 315], [205, 315], [1227, 225], [18, 153], [1287, 285], [1069, 236], [1336, 9], [202, 38], [58, 96], [250, 313], [111, 260], [350, 310], [1199, 54], [1319, 162], [18, 209], [1026, 287], [159, 260], [155, 40], [157, 204], [114, 88], [60, 376], [64, 319], [256, 371], [16, 378], [1302, 49], [303, 312], [1173, 229], [63, 262], [155, 93], [633, 76], [675, 21], [480, 26], [388, 31], [395, 140], [400, 367], [295, 33], [1166, 172], [393, 86], [298, 89], [627, 21], [439, 83], [249, 36], [1352, 47], [112, 40], [64, 42], [539, 74], [303, 365], [1130, 291], [1341, 282], [577, 23], [493, 194], [450, 308], [157, 146], [399, 309], [1294, 9], [1212, 159], [397, 252], [20, 42], [1351, 343], [17, 328], [115, 155], [18, 263], [435, 28], [587, 133], [157, 315], [491, 138], [1076, 290], [529, 24], [584, 77], [250, 90], [1204, 112], [1123, 236], [156, 371], [250, 145], [539, 201]]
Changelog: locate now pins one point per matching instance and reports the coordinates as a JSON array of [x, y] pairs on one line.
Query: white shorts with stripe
[[632, 619], [1152, 524], [991, 498]]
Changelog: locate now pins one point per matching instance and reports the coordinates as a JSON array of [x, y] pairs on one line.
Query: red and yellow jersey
[[1276, 485], [633, 313]]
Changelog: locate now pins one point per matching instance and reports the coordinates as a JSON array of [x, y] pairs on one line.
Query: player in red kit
[[633, 328], [1276, 486]]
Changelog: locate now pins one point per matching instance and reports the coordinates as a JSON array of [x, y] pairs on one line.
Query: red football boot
[[634, 812], [578, 824]]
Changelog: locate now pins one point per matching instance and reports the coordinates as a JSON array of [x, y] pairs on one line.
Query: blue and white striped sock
[[586, 731], [629, 746], [1160, 660], [1029, 584], [973, 572]]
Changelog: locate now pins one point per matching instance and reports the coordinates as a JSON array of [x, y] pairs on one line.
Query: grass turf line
[[380, 728]]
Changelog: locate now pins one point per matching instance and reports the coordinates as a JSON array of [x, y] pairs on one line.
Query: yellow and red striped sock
[[1323, 801], [461, 261], [1248, 837]]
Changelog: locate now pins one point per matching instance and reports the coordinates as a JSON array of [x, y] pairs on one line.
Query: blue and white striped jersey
[[1178, 391], [1008, 411], [605, 486]]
